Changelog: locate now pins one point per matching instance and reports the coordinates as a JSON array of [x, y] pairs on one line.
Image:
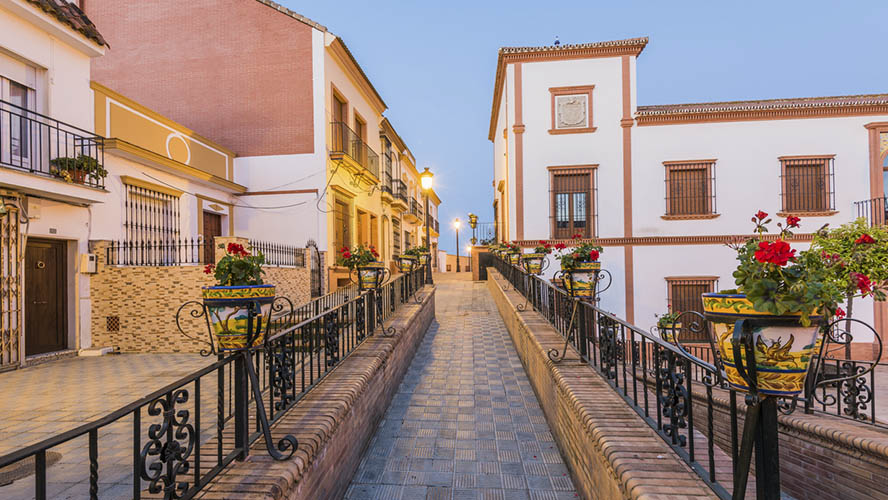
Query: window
[[572, 209], [684, 294], [807, 184], [690, 189], [571, 109], [150, 216], [342, 222], [396, 235]]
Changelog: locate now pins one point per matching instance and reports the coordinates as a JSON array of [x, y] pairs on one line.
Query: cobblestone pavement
[[465, 423], [49, 399]]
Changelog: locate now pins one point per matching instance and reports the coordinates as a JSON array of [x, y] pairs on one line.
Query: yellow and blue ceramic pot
[[581, 282], [533, 262], [423, 259], [669, 332], [371, 275], [782, 345], [238, 314], [514, 258], [406, 263]]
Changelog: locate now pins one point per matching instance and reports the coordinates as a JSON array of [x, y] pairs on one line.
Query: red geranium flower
[[792, 221], [760, 215], [840, 313], [576, 256], [346, 255], [578, 236], [547, 245], [560, 246], [593, 255], [778, 253], [864, 284], [209, 268], [543, 242], [865, 239]]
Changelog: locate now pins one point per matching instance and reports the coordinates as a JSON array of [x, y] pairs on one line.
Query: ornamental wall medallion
[[571, 111]]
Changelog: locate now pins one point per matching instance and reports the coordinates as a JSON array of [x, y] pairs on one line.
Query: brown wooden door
[[45, 297], [212, 226]]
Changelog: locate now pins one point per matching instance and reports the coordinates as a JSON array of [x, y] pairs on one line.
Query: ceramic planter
[[581, 281], [533, 262], [238, 314], [669, 331], [406, 263], [514, 258], [423, 259], [783, 347], [371, 276]]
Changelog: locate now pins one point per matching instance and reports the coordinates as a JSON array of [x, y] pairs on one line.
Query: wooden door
[[46, 291], [212, 226]]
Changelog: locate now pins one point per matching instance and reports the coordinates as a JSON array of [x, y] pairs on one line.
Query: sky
[[434, 63]]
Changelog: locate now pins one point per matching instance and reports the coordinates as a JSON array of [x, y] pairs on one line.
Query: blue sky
[[434, 63]]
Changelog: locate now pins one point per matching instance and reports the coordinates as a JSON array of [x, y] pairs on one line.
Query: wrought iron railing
[[484, 233], [401, 191], [172, 252], [347, 141], [387, 173], [277, 254], [183, 435], [416, 209], [875, 211], [674, 388], [42, 145]]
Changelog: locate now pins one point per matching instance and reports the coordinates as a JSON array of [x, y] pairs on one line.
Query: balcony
[[400, 193], [37, 144], [386, 187], [875, 211], [414, 215], [433, 225], [353, 151]]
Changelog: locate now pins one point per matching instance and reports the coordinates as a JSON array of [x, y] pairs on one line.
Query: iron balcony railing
[[42, 145], [432, 223], [347, 141], [415, 209], [277, 254], [180, 437], [677, 390], [485, 233], [387, 173], [875, 211], [166, 252], [401, 191]]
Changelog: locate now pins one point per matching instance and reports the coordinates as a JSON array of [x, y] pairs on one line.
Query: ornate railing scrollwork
[[331, 332], [673, 395], [164, 459], [196, 310]]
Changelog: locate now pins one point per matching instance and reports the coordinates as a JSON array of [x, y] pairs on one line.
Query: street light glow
[[425, 178], [456, 223]]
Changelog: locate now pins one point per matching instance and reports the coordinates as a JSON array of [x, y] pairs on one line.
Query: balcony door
[[15, 126]]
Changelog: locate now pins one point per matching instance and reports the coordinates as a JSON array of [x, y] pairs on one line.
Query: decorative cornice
[[356, 73], [511, 55], [715, 239], [518, 129], [627, 122]]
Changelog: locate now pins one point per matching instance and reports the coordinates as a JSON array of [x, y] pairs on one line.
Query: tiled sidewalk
[[465, 423]]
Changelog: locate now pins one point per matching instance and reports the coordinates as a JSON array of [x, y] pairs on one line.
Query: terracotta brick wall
[[235, 71], [134, 307]]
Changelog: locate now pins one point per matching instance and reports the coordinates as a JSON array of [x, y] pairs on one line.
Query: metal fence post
[[241, 406]]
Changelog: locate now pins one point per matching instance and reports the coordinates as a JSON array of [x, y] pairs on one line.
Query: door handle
[[41, 302]]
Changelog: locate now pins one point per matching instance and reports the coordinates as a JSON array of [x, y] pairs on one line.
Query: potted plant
[[580, 264], [364, 260], [782, 298], [668, 325], [239, 305], [513, 253], [421, 253], [76, 170], [533, 262]]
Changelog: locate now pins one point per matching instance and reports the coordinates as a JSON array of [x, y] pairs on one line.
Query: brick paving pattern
[[465, 423]]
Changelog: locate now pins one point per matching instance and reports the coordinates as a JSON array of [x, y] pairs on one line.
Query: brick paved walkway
[[465, 423]]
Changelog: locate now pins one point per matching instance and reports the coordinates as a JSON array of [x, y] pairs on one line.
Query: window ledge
[[561, 131], [689, 217], [811, 213]]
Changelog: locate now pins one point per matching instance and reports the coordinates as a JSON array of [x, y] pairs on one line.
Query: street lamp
[[469, 253], [456, 226], [425, 180], [473, 223]]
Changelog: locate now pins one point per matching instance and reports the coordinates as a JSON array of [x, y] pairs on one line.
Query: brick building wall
[[238, 72], [134, 307]]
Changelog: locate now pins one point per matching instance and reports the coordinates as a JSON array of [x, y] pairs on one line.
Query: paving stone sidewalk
[[465, 423]]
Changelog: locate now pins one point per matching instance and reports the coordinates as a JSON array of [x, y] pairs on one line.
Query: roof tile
[[68, 13]]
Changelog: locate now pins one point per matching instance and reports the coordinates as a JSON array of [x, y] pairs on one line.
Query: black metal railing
[[387, 173], [183, 435], [347, 141], [416, 209], [42, 145], [875, 211], [401, 191], [277, 254], [171, 252], [432, 223], [485, 233]]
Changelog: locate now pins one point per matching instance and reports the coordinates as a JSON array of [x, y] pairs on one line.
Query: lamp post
[[456, 226], [473, 223], [469, 253], [425, 179]]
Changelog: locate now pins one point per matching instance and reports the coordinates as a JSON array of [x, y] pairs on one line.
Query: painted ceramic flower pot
[[783, 346], [423, 259], [514, 258], [371, 275], [582, 279], [238, 314], [669, 331], [533, 262], [406, 263]]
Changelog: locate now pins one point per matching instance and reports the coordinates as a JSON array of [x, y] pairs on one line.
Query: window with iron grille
[[690, 188], [396, 235], [684, 295], [807, 183], [572, 206], [342, 225], [150, 216]]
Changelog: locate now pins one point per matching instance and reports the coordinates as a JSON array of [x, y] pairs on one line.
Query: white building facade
[[664, 188]]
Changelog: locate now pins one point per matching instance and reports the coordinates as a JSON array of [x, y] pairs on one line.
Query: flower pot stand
[[534, 264], [599, 281], [370, 279]]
